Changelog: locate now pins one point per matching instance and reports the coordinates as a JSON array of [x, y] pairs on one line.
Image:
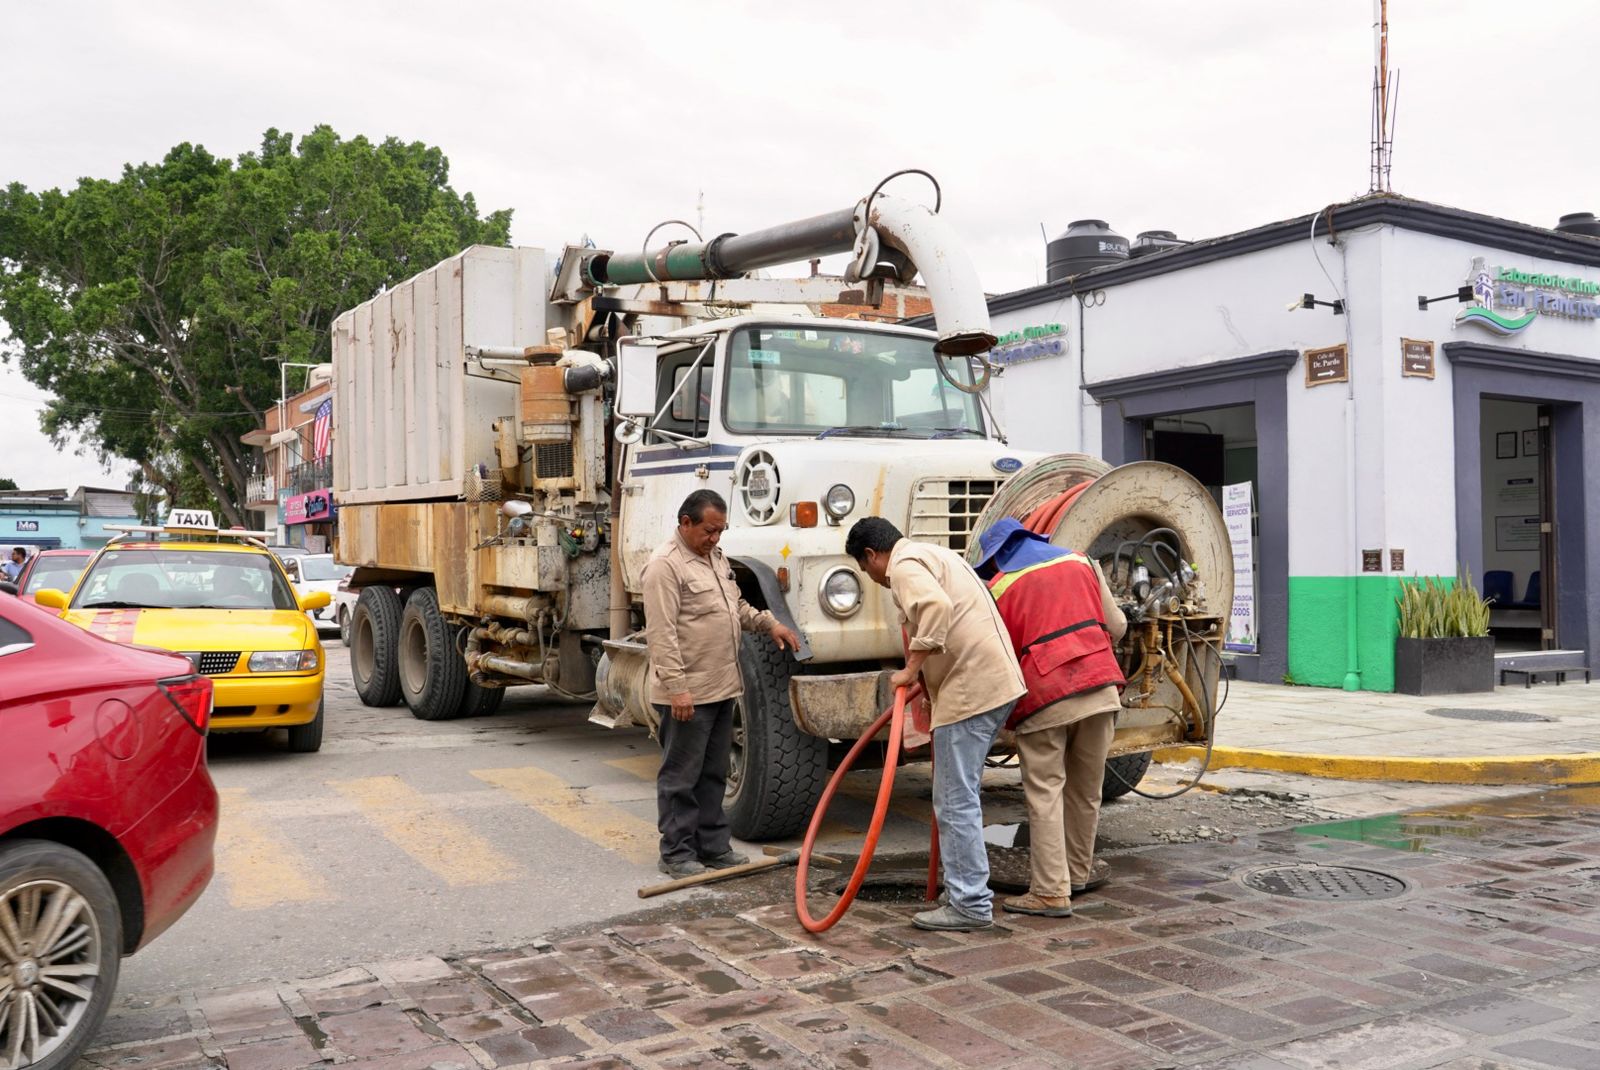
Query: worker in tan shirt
[[694, 615], [958, 644], [1063, 624]]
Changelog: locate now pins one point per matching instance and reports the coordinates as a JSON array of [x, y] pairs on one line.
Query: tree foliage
[[8, 484], [157, 307]]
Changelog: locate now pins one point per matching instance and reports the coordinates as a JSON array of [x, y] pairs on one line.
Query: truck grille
[[552, 460], [216, 662], [943, 511]]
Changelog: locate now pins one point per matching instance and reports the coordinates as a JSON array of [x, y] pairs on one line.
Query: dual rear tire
[[406, 651]]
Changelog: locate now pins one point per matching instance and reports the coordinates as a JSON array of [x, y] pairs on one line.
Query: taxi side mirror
[[315, 600], [50, 598]]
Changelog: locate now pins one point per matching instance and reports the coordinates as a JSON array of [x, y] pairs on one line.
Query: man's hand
[[683, 707], [785, 638], [903, 678]]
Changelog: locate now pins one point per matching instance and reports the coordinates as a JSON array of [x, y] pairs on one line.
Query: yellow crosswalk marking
[[260, 869], [610, 826], [643, 766], [418, 826]]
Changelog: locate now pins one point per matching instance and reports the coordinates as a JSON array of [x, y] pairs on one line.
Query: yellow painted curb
[[1487, 769]]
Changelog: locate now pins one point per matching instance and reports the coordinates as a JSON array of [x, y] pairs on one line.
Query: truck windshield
[[811, 381]]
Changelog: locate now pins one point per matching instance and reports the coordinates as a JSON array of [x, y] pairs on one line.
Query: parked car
[[222, 601], [320, 572], [107, 820], [51, 568]]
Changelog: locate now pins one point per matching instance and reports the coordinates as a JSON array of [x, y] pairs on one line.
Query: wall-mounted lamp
[[1310, 301], [1463, 295]]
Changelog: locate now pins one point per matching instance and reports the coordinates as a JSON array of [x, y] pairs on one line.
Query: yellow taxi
[[222, 600]]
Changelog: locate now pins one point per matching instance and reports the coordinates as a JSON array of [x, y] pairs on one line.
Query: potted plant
[[1444, 646]]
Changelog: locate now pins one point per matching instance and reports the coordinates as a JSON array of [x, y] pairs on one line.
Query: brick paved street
[[1488, 958]]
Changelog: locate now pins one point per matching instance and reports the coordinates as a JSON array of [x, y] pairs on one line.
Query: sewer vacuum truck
[[514, 439]]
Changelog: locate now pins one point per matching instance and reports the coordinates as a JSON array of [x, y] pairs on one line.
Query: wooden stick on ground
[[711, 876]]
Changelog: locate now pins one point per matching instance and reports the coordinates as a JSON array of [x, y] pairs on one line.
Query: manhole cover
[[1502, 716], [1324, 882]]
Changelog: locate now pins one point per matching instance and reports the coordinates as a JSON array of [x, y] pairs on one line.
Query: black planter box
[[1444, 666]]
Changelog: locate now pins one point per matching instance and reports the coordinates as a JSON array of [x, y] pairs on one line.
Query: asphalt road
[[405, 837]]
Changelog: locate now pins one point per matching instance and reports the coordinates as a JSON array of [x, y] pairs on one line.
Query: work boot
[[725, 860], [948, 919], [1042, 906], [687, 867], [1099, 877]]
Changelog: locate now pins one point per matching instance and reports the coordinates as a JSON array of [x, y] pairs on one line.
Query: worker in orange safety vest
[[1063, 623]]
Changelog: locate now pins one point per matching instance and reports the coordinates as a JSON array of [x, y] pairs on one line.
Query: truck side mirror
[[636, 378]]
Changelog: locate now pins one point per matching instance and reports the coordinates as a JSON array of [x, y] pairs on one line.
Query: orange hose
[[895, 718], [1047, 517]]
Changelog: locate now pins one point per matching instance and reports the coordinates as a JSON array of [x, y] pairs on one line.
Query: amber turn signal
[[783, 580], [803, 514]]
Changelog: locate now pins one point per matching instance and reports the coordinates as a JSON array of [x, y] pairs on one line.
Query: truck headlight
[[283, 661], [840, 592], [839, 500]]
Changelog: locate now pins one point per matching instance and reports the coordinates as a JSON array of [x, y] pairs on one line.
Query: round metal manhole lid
[[1324, 883], [1498, 716]]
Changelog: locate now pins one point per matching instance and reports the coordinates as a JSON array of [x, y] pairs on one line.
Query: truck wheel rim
[[361, 648], [413, 657], [50, 954], [736, 751]]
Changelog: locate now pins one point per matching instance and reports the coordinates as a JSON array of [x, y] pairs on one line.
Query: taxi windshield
[[159, 578]]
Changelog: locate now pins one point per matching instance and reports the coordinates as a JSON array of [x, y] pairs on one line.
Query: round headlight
[[841, 592], [839, 501]]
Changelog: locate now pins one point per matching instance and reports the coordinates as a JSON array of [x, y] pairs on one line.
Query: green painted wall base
[[1319, 622]]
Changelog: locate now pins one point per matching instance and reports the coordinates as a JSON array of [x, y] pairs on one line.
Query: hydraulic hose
[[895, 718]]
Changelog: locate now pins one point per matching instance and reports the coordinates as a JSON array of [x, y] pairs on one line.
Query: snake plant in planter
[[1444, 646]]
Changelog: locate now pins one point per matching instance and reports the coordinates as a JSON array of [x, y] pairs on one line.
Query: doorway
[[1519, 560]]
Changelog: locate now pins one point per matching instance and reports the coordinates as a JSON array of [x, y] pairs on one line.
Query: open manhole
[[1327, 883], [1500, 716]]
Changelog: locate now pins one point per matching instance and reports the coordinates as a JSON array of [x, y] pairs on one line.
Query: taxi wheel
[[433, 676], [374, 629], [307, 738]]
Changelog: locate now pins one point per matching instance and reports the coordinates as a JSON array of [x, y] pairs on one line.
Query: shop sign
[[1506, 300], [1330, 365], [1236, 510], [283, 507], [307, 508], [1416, 358], [27, 525], [1028, 344]]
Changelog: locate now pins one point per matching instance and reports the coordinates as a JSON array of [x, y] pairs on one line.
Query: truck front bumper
[[840, 706]]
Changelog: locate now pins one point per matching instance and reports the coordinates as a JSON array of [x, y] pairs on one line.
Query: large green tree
[[157, 307]]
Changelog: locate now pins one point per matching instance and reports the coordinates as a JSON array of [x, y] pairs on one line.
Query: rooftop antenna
[[1385, 102], [700, 213]]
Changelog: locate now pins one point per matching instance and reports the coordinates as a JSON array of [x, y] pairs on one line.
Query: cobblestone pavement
[[1488, 957]]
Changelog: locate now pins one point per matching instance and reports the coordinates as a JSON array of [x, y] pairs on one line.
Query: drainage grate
[[1310, 881], [1502, 716]]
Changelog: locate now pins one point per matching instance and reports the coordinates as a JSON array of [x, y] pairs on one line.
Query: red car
[[51, 568], [107, 819]]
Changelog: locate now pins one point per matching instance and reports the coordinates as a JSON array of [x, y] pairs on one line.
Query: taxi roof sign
[[189, 522]]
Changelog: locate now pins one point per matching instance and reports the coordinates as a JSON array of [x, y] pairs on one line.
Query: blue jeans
[[958, 753]]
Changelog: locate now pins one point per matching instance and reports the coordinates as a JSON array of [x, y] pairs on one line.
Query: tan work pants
[[1062, 771]]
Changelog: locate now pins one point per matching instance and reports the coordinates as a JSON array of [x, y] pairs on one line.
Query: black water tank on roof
[[1087, 244], [1154, 241], [1580, 223]]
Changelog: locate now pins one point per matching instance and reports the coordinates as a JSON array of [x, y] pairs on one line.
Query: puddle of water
[[1002, 835], [1391, 832]]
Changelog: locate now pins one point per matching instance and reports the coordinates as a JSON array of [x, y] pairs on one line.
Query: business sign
[[1236, 510], [1507, 300], [27, 525], [1330, 365], [1028, 344], [309, 508]]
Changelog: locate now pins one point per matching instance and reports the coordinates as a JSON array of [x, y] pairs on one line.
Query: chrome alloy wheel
[[50, 957]]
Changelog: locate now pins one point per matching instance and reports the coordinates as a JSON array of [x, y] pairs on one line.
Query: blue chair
[[1497, 587], [1531, 599]]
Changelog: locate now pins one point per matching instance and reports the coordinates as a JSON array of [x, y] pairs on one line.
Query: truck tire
[[1123, 774], [481, 701], [433, 676], [776, 772], [374, 632]]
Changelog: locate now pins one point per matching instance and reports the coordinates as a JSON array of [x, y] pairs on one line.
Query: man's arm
[[1116, 622], [661, 607]]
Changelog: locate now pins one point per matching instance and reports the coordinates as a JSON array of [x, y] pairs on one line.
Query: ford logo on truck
[[1006, 464]]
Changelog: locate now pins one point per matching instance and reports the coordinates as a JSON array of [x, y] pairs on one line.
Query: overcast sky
[[1199, 118]]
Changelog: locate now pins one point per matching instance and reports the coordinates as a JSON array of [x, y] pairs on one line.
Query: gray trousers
[[691, 781]]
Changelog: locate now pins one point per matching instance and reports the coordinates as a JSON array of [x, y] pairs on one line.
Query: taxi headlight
[[839, 500], [283, 661], [840, 592]]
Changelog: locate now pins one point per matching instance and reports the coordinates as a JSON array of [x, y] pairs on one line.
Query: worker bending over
[[1063, 623], [958, 644]]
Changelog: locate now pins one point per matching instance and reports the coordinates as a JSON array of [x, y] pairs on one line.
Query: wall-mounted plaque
[[1416, 358], [1330, 365]]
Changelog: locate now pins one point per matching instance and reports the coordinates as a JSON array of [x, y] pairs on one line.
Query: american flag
[[322, 430]]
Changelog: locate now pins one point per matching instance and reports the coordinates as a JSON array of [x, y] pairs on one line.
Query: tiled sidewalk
[[1490, 958]]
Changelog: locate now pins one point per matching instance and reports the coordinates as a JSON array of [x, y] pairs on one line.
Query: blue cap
[[997, 536]]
